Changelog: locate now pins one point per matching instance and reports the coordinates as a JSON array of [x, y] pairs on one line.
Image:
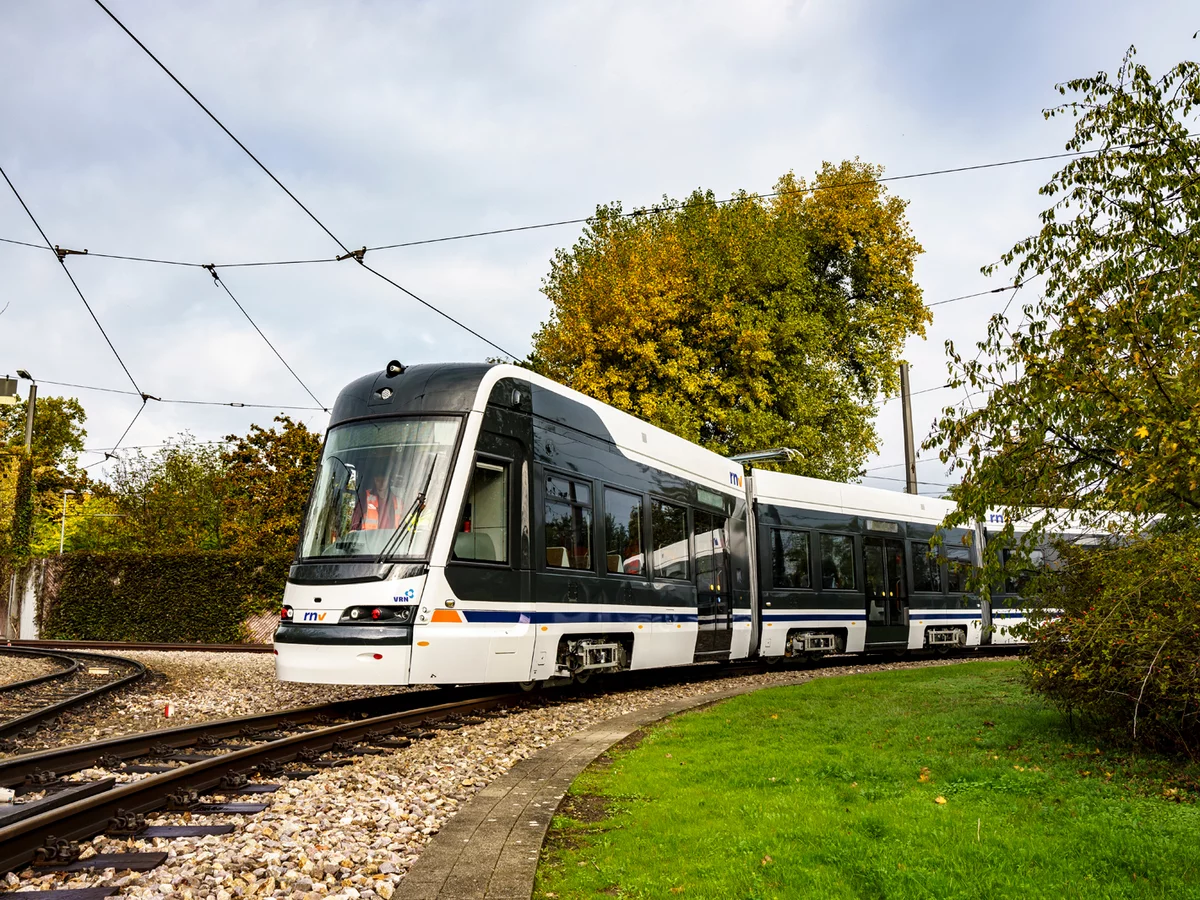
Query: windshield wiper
[[410, 517]]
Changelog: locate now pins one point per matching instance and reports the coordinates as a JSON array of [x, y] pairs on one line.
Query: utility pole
[[910, 454], [29, 410]]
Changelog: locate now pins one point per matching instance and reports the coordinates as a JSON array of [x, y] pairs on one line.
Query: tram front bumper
[[343, 654]]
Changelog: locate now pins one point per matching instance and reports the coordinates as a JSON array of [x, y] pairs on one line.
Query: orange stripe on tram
[[446, 615]]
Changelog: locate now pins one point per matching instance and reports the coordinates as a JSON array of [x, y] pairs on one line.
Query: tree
[[268, 477], [58, 436], [58, 432], [173, 499], [1093, 394], [1092, 410], [743, 325]]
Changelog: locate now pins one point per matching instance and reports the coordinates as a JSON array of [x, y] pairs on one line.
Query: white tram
[[479, 523]]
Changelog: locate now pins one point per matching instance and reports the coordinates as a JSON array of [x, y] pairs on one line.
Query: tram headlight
[[392, 615]]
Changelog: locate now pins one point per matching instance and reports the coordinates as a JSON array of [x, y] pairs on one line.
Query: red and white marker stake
[[168, 710]]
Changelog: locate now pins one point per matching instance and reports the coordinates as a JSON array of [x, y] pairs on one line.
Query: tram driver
[[377, 507]]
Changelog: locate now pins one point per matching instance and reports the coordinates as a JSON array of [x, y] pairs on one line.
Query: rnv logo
[[314, 617]]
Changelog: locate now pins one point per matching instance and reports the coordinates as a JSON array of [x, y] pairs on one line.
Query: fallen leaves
[[925, 777], [766, 860], [940, 801]]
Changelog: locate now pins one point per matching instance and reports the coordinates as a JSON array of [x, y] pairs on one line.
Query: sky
[[406, 121]]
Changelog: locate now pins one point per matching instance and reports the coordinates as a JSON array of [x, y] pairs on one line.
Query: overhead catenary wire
[[444, 315], [347, 253], [124, 433], [217, 278], [577, 220], [233, 403], [63, 263], [220, 124]]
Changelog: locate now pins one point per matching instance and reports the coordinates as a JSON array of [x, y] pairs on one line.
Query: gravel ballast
[[352, 832], [22, 668], [199, 686]]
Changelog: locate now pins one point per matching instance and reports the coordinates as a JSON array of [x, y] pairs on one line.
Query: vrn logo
[[314, 617], [735, 479]]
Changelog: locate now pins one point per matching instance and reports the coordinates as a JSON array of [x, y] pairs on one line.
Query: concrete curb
[[490, 849]]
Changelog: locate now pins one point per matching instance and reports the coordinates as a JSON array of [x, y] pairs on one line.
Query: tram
[[478, 523]]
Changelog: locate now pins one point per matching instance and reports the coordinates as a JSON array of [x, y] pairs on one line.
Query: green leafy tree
[[173, 499], [58, 437], [1093, 391], [269, 473], [1091, 418], [744, 325]]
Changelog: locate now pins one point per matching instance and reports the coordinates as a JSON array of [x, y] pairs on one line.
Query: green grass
[[830, 790]]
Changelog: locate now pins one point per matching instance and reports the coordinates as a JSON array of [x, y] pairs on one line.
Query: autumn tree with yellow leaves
[[752, 323]]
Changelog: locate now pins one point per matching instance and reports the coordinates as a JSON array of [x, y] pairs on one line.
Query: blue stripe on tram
[[505, 616]]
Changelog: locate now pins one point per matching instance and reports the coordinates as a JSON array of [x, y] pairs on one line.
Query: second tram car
[[479, 523]]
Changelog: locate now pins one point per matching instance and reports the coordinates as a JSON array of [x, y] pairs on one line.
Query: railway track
[[37, 702], [128, 777]]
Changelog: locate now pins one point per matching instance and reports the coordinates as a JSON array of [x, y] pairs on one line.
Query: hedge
[[1125, 651], [185, 597]]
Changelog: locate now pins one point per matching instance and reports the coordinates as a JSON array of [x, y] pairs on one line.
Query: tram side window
[[927, 569], [483, 530], [625, 551], [837, 562], [959, 559], [568, 523], [709, 540], [789, 559], [669, 531]]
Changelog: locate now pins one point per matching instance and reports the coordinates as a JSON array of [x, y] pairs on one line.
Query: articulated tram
[[479, 523]]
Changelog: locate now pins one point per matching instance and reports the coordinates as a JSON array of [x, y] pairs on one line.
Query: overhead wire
[[347, 253], [62, 261], [217, 278], [233, 403], [558, 222]]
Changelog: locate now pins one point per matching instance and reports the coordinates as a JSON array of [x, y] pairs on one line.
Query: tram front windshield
[[379, 488]]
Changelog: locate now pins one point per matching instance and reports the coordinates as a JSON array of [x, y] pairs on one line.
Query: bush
[[169, 597], [1125, 651]]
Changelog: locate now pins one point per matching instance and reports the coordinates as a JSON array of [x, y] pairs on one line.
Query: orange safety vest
[[370, 519]]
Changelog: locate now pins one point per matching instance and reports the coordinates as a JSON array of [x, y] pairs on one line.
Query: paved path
[[489, 850]]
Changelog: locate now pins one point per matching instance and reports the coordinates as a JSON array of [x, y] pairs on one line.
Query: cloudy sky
[[404, 121]]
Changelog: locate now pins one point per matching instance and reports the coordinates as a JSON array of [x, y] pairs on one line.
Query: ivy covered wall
[[203, 597]]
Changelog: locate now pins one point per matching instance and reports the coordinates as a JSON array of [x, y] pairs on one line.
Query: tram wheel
[[527, 686], [583, 677]]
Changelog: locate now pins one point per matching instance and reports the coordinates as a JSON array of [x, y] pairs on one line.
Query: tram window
[[927, 569], [669, 532], [837, 562], [710, 550], [789, 559], [625, 551], [483, 529], [568, 523], [959, 559]]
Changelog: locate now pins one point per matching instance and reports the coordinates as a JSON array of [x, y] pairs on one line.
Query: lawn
[[932, 783]]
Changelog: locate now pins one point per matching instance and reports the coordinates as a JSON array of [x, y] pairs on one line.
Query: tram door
[[714, 607], [886, 590]]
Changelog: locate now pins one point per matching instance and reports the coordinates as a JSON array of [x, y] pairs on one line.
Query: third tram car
[[479, 523]]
